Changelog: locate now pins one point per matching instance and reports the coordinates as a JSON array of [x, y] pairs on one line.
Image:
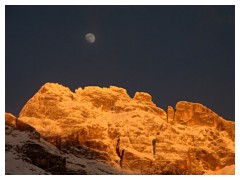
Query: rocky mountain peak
[[144, 98], [132, 133], [54, 88]]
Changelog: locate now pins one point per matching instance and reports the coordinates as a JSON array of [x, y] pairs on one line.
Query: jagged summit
[[95, 92], [132, 133], [54, 99]]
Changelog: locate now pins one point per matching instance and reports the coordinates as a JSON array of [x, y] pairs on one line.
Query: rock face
[[11, 120], [27, 155], [192, 114], [41, 157], [23, 148], [132, 134]]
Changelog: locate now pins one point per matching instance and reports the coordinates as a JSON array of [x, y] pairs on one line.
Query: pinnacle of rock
[[171, 115]]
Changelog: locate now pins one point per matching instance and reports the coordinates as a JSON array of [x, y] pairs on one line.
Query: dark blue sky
[[172, 52]]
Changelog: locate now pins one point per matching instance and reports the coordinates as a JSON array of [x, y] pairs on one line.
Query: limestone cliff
[[132, 133], [192, 114]]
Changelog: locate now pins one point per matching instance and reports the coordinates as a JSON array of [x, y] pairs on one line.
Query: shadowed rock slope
[[27, 153], [132, 134]]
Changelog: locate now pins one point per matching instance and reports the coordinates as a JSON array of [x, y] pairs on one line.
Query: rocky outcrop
[[192, 114], [105, 98], [131, 133], [144, 102], [42, 158], [10, 120], [26, 155], [143, 98], [24, 148], [227, 126], [15, 123], [170, 115]]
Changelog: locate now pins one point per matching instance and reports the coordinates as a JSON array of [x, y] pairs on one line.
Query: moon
[[90, 38]]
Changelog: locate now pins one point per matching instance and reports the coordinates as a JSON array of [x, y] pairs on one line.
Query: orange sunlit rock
[[133, 133], [192, 114], [10, 120], [171, 114]]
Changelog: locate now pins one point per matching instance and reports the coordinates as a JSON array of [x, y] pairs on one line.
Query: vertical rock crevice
[[154, 146], [119, 152]]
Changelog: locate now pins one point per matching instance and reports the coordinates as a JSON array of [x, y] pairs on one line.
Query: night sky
[[172, 52]]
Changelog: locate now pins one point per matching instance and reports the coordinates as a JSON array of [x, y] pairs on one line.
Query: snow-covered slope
[[16, 162], [27, 154]]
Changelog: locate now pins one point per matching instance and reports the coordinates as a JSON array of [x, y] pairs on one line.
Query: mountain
[[104, 131]]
